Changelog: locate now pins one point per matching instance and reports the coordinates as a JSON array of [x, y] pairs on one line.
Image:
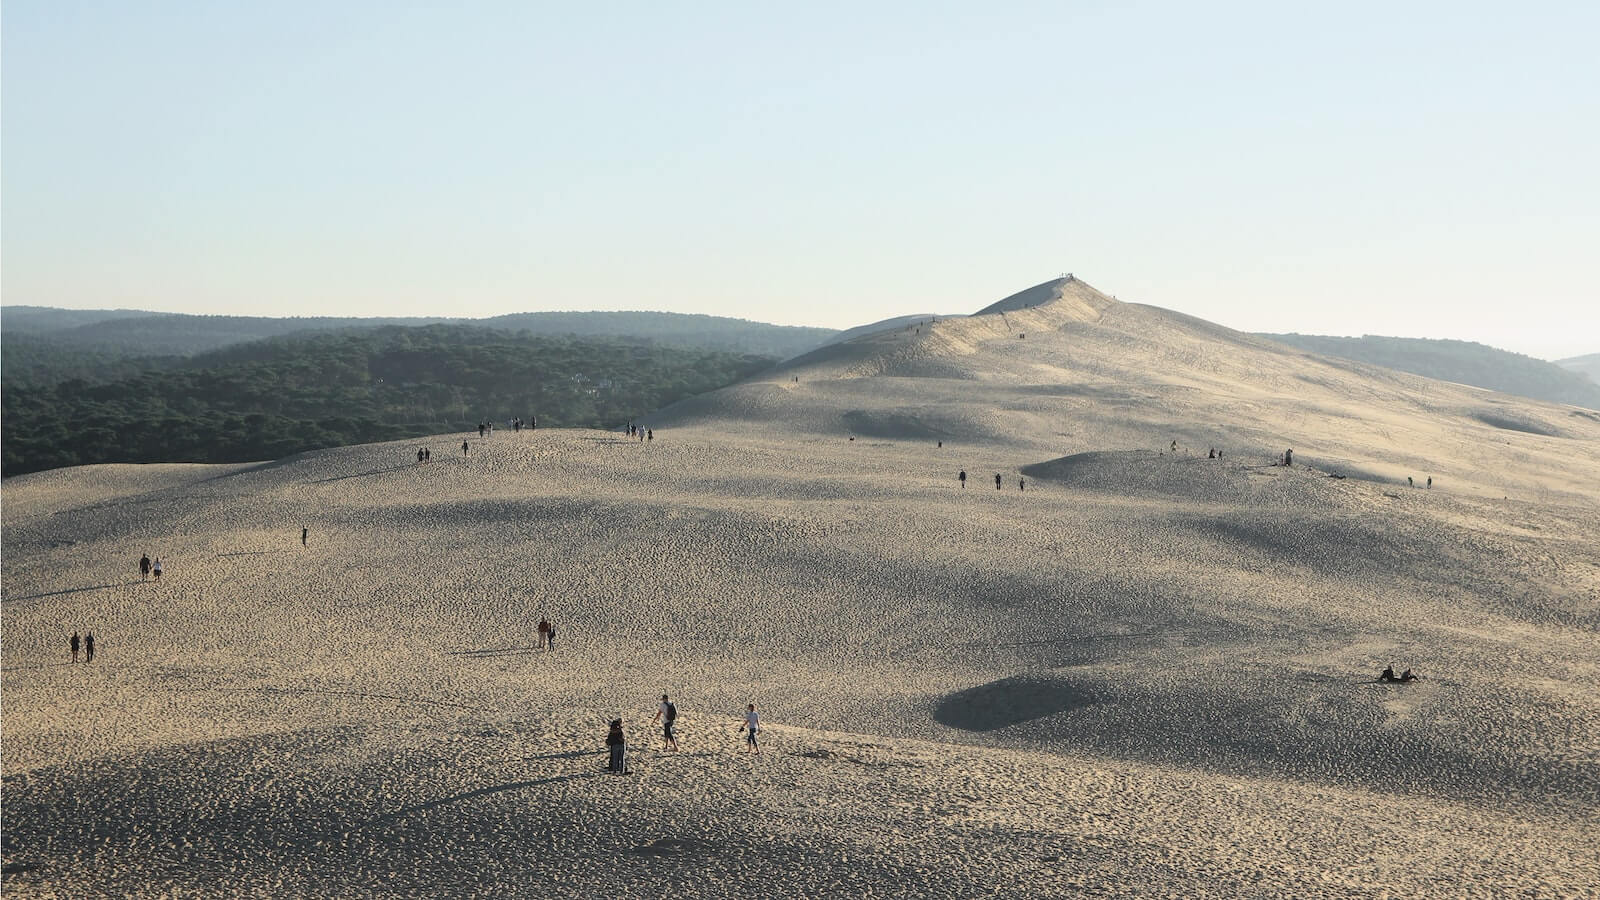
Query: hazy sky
[[1419, 169]]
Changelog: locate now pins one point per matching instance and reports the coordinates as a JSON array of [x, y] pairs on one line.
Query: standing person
[[650, 434], [155, 568], [88, 647], [419, 454], [463, 448], [997, 481], [550, 639], [667, 715], [144, 567], [73, 642], [304, 533], [752, 724], [544, 632], [480, 429], [1430, 482], [1288, 457], [427, 456], [1022, 483], [963, 479], [618, 745]]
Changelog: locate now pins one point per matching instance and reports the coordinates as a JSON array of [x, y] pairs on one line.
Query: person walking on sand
[[155, 568], [550, 639], [1022, 483], [88, 647], [1288, 457], [304, 533], [144, 567], [997, 481], [463, 448], [963, 479], [618, 745], [752, 724], [544, 632], [73, 642], [1430, 482], [667, 715]]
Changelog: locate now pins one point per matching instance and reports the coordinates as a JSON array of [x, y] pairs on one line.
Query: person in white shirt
[[752, 724]]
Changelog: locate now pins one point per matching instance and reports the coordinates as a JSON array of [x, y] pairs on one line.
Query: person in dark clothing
[[649, 434], [463, 448], [88, 647], [481, 428], [997, 481], [419, 455], [1212, 454], [1288, 457], [1388, 674], [73, 642], [618, 745], [304, 533], [550, 638], [1430, 482], [144, 567], [1022, 483], [963, 479], [427, 456]]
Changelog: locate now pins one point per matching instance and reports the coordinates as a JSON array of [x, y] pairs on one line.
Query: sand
[[1149, 674]]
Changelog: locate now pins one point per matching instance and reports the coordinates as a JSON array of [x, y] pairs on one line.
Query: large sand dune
[[1149, 674]]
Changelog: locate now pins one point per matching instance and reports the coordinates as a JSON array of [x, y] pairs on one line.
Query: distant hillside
[[1588, 365], [1459, 361], [42, 319], [40, 345], [672, 330], [268, 399]]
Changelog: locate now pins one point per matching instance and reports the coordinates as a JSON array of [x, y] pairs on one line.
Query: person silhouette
[[88, 647], [144, 567], [73, 642], [463, 448], [997, 481], [963, 479]]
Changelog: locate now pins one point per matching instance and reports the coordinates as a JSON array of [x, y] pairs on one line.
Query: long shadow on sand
[[492, 651], [469, 795], [96, 587], [363, 474], [1007, 702]]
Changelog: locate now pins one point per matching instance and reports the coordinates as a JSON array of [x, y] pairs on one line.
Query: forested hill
[[272, 398], [42, 344], [1463, 362]]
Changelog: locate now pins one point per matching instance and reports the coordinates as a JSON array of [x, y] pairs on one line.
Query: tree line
[[268, 399]]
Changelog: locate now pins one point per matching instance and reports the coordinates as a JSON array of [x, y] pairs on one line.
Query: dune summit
[[1151, 673]]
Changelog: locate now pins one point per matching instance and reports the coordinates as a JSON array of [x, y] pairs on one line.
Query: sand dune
[[1149, 674]]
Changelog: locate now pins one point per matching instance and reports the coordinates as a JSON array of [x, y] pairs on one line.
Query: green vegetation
[[271, 398], [1459, 361], [44, 345]]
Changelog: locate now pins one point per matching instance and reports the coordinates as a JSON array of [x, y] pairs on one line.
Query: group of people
[[85, 643], [640, 432], [424, 455], [1022, 483], [547, 634], [148, 568], [517, 423], [667, 716], [1403, 678]]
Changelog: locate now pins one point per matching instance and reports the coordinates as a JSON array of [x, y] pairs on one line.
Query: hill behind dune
[[1150, 673]]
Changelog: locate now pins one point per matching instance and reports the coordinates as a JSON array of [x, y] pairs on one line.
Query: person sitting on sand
[[1388, 674], [1409, 675], [617, 744]]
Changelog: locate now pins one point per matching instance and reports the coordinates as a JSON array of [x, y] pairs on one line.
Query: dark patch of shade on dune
[[1524, 424], [1009, 701]]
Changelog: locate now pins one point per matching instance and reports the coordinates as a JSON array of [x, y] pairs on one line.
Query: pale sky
[[1415, 169]]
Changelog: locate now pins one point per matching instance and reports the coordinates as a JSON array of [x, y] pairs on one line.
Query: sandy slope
[[1147, 675]]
